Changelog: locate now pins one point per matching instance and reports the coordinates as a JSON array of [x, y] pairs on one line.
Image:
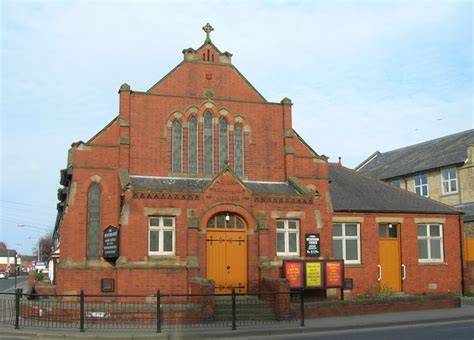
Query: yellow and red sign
[[293, 271], [334, 274], [314, 274]]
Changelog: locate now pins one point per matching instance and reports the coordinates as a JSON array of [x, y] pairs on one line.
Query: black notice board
[[313, 245], [111, 243]]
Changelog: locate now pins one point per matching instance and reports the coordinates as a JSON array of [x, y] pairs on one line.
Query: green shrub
[[40, 277]]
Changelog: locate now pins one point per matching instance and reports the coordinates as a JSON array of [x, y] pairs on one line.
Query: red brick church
[[201, 177]]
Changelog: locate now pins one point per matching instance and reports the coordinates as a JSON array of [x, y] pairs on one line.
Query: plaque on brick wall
[[107, 285], [111, 243], [313, 248]]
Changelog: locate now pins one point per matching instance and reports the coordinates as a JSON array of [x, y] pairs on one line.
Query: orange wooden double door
[[226, 245], [390, 267]]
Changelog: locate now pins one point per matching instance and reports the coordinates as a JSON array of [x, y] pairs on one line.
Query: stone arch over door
[[226, 251]]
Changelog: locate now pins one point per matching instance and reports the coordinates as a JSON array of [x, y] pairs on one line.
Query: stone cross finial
[[208, 29]]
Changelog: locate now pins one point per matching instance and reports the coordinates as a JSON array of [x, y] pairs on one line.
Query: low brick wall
[[280, 302], [383, 305], [207, 288], [469, 276]]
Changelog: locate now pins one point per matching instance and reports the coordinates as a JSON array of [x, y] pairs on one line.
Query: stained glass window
[[223, 143], [93, 221], [238, 150], [192, 145], [208, 144], [177, 146]]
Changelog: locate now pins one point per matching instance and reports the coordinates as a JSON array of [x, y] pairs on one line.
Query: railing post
[[81, 303], [158, 311], [302, 306], [234, 325], [17, 308]]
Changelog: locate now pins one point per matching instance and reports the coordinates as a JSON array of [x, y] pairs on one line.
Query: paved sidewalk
[[466, 312]]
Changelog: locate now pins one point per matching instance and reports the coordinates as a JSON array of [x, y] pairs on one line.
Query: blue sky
[[363, 76]]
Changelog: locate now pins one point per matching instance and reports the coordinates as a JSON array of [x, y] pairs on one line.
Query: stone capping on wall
[[378, 305], [202, 281]]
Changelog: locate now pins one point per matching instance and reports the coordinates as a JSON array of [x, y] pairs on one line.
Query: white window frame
[[286, 231], [449, 181], [420, 186], [345, 238], [428, 238], [161, 228]]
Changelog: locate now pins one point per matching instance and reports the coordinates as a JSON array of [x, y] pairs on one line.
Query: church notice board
[[314, 274], [111, 243]]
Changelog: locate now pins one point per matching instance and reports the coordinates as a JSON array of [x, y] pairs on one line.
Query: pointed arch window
[[223, 143], [239, 150], [93, 221], [192, 145], [208, 147], [177, 147]]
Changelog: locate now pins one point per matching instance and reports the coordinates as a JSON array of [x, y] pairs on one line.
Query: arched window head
[[176, 161], [239, 150], [223, 143], [208, 142], [93, 221], [226, 220], [192, 145]]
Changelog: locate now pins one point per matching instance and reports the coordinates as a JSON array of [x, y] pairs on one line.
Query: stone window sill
[[354, 265], [428, 264]]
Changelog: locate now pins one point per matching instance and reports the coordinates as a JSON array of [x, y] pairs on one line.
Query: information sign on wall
[[334, 274], [312, 245], [314, 274], [111, 243], [293, 271]]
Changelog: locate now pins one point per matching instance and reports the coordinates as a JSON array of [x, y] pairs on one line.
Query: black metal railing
[[85, 312]]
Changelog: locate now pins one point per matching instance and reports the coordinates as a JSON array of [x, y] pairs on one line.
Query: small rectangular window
[[346, 242], [396, 182], [161, 235], [421, 184], [449, 180], [287, 234], [430, 243]]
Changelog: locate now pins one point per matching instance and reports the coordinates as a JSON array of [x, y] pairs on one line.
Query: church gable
[[204, 69], [227, 187]]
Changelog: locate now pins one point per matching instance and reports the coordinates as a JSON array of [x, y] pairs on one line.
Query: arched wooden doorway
[[226, 244]]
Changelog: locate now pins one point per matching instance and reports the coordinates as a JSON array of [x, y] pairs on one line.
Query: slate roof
[[172, 184], [436, 153], [355, 192], [7, 252], [468, 209]]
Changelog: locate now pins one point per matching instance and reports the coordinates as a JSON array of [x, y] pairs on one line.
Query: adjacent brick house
[[441, 169], [203, 177]]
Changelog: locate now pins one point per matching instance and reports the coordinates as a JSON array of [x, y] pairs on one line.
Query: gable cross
[[208, 29]]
